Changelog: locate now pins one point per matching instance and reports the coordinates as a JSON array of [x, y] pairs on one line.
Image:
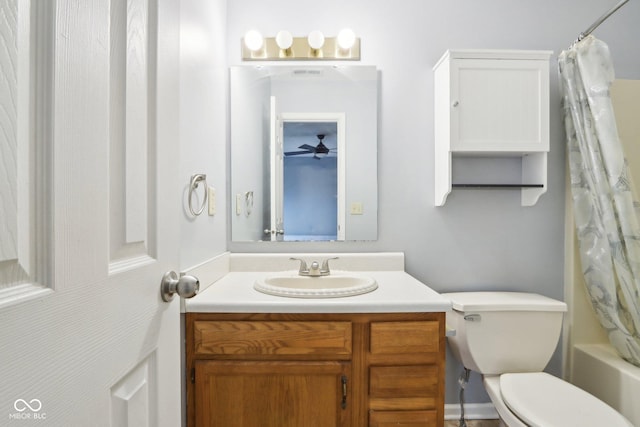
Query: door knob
[[186, 286]]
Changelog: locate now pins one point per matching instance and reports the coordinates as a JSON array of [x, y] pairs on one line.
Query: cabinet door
[[272, 394], [499, 105]]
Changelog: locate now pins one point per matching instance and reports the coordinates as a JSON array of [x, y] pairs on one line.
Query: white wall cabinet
[[492, 103]]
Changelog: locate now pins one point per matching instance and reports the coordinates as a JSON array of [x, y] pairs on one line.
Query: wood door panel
[[403, 381], [242, 338], [403, 419], [270, 394], [404, 337]]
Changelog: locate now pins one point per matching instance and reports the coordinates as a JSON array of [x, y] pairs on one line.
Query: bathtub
[[598, 369]]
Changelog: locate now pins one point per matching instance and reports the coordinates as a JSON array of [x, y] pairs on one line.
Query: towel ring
[[195, 179], [248, 201]]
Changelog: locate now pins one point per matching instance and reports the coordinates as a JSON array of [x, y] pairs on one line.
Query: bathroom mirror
[[303, 153]]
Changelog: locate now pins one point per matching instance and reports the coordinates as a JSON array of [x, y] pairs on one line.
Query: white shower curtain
[[607, 215]]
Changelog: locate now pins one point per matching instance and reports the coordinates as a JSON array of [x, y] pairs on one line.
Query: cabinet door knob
[[455, 103]]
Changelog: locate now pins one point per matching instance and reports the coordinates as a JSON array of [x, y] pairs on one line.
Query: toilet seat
[[540, 399]]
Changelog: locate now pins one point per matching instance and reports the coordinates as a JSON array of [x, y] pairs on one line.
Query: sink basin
[[336, 285]]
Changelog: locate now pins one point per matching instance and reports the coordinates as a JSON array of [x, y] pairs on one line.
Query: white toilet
[[509, 337]]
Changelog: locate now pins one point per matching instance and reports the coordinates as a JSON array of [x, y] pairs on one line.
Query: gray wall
[[480, 239], [203, 124]]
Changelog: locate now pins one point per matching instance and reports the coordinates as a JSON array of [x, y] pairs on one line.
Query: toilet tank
[[499, 332]]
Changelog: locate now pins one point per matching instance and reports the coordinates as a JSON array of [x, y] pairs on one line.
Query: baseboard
[[472, 411]]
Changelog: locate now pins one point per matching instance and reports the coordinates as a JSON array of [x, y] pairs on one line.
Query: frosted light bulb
[[316, 39], [346, 38], [253, 40], [284, 39]]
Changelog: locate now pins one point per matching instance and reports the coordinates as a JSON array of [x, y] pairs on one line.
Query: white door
[[89, 183], [276, 172]]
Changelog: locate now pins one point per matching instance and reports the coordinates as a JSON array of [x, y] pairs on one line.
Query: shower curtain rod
[[600, 20]]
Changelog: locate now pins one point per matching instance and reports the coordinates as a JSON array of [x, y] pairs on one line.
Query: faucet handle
[[325, 264], [303, 265]]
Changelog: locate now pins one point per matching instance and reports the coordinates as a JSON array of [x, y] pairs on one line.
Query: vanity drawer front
[[404, 337], [264, 338], [403, 419], [403, 381]]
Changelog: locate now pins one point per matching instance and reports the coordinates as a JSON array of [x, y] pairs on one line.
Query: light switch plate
[[212, 201], [238, 204]]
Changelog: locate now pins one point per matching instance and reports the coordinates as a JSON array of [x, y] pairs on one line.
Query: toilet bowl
[[509, 338]]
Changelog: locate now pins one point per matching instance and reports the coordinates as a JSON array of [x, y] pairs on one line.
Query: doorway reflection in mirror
[[310, 187]]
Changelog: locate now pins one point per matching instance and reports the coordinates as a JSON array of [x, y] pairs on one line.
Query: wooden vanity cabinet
[[319, 370]]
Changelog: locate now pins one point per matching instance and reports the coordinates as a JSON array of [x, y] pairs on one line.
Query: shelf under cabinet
[[515, 186], [533, 175]]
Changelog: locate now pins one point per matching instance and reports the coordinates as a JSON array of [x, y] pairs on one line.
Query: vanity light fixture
[[346, 46]]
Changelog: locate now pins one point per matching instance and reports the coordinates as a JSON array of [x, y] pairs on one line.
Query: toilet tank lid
[[503, 301]]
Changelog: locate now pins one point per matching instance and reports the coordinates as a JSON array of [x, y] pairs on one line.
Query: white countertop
[[398, 292]]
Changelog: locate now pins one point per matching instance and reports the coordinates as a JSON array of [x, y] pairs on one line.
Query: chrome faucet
[[325, 266], [314, 270]]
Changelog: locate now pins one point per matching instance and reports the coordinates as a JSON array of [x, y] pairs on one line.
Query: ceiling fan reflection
[[319, 151]]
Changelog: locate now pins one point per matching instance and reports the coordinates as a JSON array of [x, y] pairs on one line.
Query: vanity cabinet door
[[272, 394]]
